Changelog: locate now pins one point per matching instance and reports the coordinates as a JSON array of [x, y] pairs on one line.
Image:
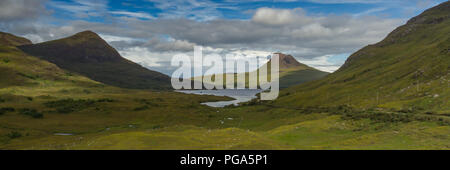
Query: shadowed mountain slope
[[88, 54]]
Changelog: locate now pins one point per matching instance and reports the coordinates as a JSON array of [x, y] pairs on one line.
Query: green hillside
[[7, 39], [408, 70], [20, 69], [87, 54]]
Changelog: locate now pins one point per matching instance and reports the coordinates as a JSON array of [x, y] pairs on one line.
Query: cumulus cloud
[[156, 44], [12, 10], [279, 16], [141, 55], [322, 63]]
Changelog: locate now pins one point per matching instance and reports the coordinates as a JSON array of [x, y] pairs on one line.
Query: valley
[[391, 95]]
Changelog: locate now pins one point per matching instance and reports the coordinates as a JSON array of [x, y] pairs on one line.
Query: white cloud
[[370, 11], [321, 63], [170, 45], [142, 15], [112, 38], [21, 9], [277, 16], [142, 56]]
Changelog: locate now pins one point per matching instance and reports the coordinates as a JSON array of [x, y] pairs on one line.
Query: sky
[[320, 33]]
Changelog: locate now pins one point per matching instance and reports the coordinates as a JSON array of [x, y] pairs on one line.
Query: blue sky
[[235, 9], [321, 33]]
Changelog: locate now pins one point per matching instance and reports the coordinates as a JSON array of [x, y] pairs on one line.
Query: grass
[[304, 131], [398, 100]]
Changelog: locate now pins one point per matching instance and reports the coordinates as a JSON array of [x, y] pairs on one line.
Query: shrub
[[69, 105], [6, 109], [251, 102], [27, 76], [430, 113], [105, 100], [192, 105], [285, 94], [5, 60], [147, 102], [14, 134], [157, 127], [141, 108], [86, 91], [31, 112]]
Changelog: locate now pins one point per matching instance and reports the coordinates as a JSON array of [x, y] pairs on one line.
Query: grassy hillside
[[20, 69], [299, 75], [409, 70], [7, 39], [89, 55]]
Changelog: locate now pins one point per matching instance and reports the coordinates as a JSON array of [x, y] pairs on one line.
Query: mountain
[[409, 69], [7, 39], [294, 73], [288, 61], [20, 69], [88, 54], [291, 72]]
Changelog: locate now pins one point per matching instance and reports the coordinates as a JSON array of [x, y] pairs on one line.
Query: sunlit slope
[[20, 69], [88, 54], [7, 39], [410, 69]]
